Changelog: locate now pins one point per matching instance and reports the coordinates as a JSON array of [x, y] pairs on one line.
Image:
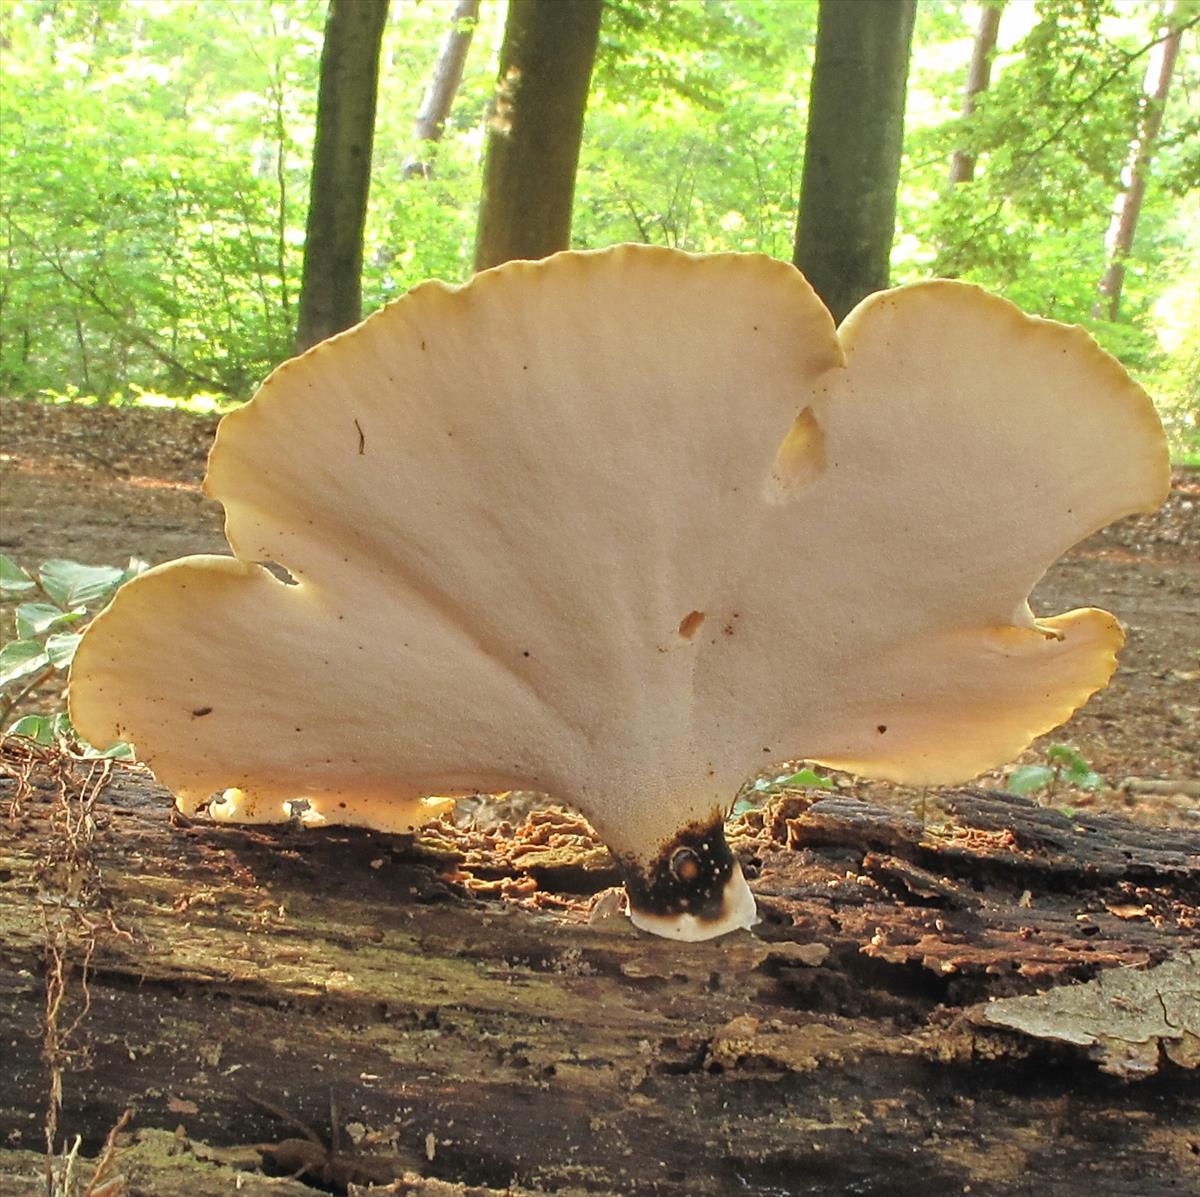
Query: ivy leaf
[[1029, 778], [36, 619], [13, 579], [60, 648], [806, 778], [20, 658], [38, 728], [65, 730], [136, 566], [73, 585], [120, 751], [50, 729]]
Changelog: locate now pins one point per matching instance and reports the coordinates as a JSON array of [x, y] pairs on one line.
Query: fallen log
[[471, 1013]]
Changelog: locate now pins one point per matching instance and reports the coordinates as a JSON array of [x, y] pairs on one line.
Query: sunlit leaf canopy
[[156, 159]]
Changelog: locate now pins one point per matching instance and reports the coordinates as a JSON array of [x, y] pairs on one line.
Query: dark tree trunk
[[852, 153], [1128, 205], [535, 129], [447, 75], [1000, 999], [331, 289], [979, 74]]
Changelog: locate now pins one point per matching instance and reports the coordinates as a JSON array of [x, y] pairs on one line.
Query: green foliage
[[764, 788], [41, 648], [155, 172], [1064, 112], [1065, 765], [806, 779], [1051, 137], [138, 248], [695, 134]]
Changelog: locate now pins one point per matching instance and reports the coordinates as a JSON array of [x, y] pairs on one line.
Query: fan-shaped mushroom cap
[[625, 527]]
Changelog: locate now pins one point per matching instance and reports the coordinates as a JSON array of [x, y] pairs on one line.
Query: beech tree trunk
[[979, 74], [1000, 999], [535, 129], [1128, 204], [852, 152], [331, 288], [447, 75]]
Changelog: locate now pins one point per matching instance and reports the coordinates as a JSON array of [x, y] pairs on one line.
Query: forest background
[[157, 155]]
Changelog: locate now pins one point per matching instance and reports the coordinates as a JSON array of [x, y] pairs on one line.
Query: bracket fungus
[[625, 527]]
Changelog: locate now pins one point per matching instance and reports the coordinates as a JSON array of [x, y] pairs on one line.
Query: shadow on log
[[1000, 999]]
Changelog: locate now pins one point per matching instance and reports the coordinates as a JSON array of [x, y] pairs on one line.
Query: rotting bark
[[255, 992]]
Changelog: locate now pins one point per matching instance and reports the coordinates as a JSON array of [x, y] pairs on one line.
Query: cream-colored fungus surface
[[625, 527]]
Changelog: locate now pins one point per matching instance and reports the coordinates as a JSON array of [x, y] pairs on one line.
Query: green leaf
[[20, 658], [60, 648], [50, 729], [36, 619], [136, 566], [120, 751], [1074, 766], [807, 778], [73, 585], [38, 728], [1029, 778], [1067, 755], [1078, 772], [13, 579]]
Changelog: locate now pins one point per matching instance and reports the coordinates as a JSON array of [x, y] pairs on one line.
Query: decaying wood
[[925, 1006], [1188, 786]]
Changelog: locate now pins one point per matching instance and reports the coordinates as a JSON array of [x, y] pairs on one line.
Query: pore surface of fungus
[[625, 527]]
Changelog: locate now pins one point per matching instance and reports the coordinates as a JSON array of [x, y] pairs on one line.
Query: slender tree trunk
[[81, 342], [536, 128], [447, 75], [331, 289], [1128, 204], [852, 154], [979, 74], [278, 95]]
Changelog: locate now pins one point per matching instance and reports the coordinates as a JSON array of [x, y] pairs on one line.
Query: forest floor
[[101, 485]]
